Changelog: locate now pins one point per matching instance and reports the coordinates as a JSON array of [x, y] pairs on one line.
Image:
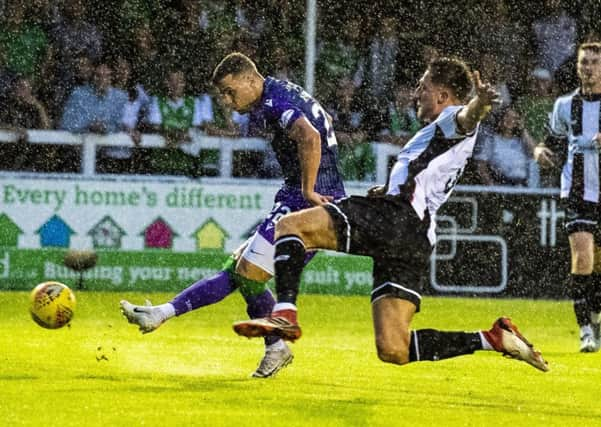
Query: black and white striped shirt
[[575, 118], [430, 164]]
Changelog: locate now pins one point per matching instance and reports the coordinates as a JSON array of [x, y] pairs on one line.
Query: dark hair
[[594, 47], [234, 63], [453, 74]]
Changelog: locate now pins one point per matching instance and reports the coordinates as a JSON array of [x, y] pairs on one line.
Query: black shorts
[[581, 216], [388, 230]]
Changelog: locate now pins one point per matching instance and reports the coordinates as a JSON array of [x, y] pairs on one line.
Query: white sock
[[485, 344], [167, 310], [278, 345], [586, 330], [283, 306]]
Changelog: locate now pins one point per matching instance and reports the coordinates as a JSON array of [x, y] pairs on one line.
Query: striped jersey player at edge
[[305, 145], [574, 135], [394, 224]]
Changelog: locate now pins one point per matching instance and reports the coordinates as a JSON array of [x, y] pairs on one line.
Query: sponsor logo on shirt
[[285, 118]]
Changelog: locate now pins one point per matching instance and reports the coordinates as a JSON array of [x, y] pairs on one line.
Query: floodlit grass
[[195, 371]]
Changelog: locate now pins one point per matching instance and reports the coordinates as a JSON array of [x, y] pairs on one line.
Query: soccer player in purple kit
[[305, 146]]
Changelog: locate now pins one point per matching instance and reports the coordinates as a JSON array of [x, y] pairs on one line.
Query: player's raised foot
[[147, 317], [504, 337], [281, 323], [273, 360], [588, 343]]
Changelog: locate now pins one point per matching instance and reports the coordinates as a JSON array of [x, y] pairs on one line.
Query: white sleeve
[[203, 110], [154, 112], [557, 124], [447, 122], [398, 176]]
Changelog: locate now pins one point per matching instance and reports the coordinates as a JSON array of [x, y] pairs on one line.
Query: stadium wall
[[160, 235]]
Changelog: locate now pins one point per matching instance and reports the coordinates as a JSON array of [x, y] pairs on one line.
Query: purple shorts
[[260, 249]]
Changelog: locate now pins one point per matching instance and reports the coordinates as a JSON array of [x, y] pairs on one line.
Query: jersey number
[[453, 181], [319, 113], [280, 210]]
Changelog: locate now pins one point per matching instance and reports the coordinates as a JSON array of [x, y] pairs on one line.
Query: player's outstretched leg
[[204, 292], [147, 317], [505, 337]]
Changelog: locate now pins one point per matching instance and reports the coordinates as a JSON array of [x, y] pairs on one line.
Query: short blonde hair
[[453, 74]]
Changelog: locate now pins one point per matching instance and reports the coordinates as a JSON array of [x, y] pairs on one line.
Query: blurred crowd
[[143, 66]]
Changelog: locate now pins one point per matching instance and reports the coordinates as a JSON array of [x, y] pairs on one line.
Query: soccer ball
[[52, 305]]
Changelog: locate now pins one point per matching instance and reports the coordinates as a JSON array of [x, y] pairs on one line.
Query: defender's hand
[[316, 199]]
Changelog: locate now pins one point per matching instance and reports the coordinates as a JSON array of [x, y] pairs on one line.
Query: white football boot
[[147, 317], [273, 361], [588, 344]]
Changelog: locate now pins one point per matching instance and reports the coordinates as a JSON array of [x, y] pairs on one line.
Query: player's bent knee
[[392, 318], [392, 352], [397, 356], [582, 264]]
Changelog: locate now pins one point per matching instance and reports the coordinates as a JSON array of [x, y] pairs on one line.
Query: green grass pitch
[[194, 371]]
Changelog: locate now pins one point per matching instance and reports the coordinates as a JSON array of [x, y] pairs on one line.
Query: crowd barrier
[[226, 147]]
